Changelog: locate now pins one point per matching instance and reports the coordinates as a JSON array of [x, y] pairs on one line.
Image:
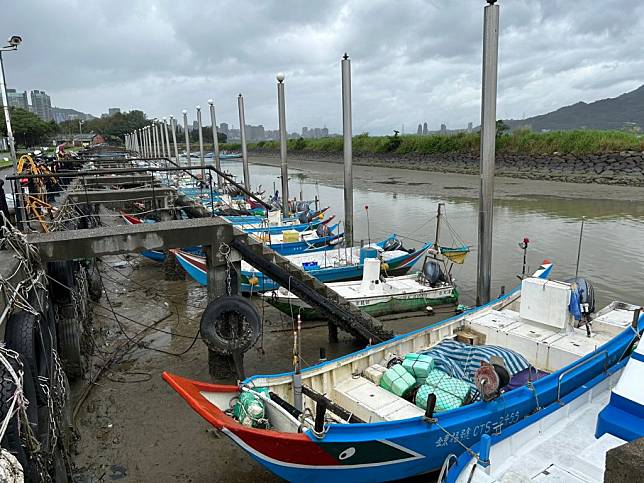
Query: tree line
[[29, 130]]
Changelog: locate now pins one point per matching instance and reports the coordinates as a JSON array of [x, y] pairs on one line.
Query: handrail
[[577, 366]]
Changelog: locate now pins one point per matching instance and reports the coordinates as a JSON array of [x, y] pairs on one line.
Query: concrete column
[[488, 140], [242, 133]]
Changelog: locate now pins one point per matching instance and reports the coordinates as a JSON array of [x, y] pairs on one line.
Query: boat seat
[[372, 403]]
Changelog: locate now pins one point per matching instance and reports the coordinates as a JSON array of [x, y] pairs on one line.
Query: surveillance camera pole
[[7, 113]]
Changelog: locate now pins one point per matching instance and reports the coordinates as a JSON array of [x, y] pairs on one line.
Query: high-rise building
[[41, 105], [443, 129], [419, 131], [17, 99], [113, 110], [223, 127], [469, 127], [425, 130]]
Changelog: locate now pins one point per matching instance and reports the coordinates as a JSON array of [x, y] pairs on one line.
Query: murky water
[[403, 204]]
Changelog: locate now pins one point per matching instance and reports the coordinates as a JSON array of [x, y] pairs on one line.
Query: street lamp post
[[173, 127]]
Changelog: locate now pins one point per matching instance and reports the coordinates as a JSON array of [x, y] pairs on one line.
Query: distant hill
[[612, 113], [61, 114]]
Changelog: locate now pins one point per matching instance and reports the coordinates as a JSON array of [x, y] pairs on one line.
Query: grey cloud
[[412, 60]]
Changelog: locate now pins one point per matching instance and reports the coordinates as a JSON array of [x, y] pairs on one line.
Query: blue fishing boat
[[328, 266], [566, 441], [322, 238], [360, 420]]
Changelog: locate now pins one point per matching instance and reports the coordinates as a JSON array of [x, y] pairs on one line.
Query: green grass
[[520, 142]]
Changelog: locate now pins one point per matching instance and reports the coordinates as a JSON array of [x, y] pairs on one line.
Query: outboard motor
[[304, 217], [323, 231], [392, 244], [432, 272], [584, 297]]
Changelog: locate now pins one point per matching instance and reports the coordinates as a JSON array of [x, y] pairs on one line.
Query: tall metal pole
[[438, 224], [242, 133], [157, 150], [148, 136], [167, 138], [173, 128], [7, 117], [488, 139], [143, 142], [348, 150], [581, 237], [215, 142], [202, 160], [159, 130], [146, 140], [164, 140], [185, 130], [281, 112]]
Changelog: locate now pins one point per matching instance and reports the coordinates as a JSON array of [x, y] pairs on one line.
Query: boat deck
[[559, 447]]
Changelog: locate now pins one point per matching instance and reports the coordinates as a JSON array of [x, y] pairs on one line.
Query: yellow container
[[290, 236]]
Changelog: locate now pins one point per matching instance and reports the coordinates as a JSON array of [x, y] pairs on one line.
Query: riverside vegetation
[[583, 156]]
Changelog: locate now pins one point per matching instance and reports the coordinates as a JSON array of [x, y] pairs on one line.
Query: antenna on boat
[[297, 376], [366, 208], [524, 246], [581, 235]]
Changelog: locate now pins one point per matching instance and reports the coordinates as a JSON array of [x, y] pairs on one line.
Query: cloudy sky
[[412, 60]]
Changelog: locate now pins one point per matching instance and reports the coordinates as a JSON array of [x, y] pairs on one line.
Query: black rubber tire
[[25, 336], [216, 327], [11, 439], [69, 344], [62, 274]]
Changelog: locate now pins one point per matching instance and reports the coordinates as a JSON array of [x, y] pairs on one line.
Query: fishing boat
[[284, 242], [348, 428], [326, 265], [565, 441], [379, 295]]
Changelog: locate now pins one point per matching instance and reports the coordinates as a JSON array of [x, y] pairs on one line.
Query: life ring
[[230, 323]]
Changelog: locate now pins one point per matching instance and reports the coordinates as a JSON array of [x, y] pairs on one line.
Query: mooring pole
[[215, 142], [297, 376], [348, 151], [488, 138], [185, 130], [167, 137], [157, 140], [201, 156], [162, 139], [242, 134], [281, 112], [173, 128]]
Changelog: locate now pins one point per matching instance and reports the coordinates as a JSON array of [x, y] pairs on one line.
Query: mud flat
[[132, 426], [560, 174]]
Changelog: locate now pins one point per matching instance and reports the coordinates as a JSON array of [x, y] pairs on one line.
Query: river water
[[405, 202]]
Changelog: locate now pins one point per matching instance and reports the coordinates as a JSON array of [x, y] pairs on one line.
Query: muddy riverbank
[[619, 168], [133, 426]]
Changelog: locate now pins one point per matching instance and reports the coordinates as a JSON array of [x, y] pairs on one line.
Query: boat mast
[[488, 139], [297, 362], [438, 225]]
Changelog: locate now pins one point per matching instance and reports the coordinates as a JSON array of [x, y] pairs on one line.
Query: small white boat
[[377, 294], [565, 441]]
